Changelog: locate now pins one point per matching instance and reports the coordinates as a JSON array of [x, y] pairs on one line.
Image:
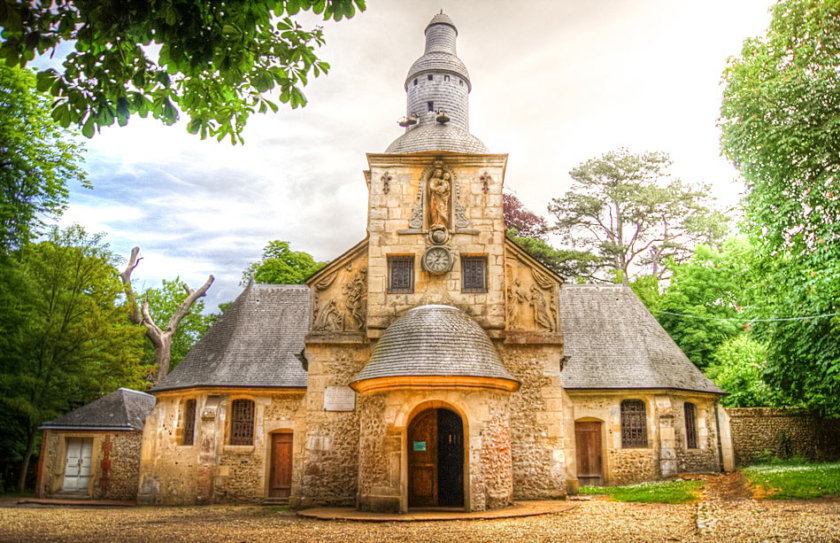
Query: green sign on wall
[[419, 445]]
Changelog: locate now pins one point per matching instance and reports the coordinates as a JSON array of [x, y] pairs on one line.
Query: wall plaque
[[339, 399], [419, 445]]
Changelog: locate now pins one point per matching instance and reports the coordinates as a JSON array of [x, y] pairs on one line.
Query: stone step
[[275, 501]]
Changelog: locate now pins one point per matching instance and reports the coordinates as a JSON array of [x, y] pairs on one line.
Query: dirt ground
[[725, 513]]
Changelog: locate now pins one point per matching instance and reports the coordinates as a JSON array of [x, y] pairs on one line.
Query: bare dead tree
[[161, 338]]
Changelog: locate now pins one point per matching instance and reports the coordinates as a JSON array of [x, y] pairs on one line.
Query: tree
[[623, 208], [66, 340], [215, 61], [280, 265], [706, 297], [526, 223], [38, 160], [566, 263], [163, 303], [161, 338], [779, 126], [738, 368]]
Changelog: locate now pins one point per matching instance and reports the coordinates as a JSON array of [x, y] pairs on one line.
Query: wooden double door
[[280, 479], [436, 459], [590, 468], [77, 465]]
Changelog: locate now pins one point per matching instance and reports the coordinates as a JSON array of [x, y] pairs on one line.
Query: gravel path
[[716, 518]]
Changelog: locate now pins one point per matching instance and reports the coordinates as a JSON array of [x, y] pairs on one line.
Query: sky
[[554, 83]]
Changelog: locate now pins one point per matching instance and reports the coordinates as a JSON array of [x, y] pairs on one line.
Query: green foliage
[[780, 126], [738, 367], [214, 61], [163, 302], [567, 264], [66, 338], [714, 284], [796, 482], [624, 208], [656, 492], [282, 266], [37, 159]]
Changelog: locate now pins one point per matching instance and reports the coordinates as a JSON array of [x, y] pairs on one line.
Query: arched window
[[633, 424], [242, 422], [690, 427], [446, 78], [189, 423]]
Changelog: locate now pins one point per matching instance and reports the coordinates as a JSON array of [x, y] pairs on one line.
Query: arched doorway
[[436, 459]]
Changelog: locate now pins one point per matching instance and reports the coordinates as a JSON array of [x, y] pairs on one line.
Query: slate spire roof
[[612, 341], [437, 81], [255, 343], [431, 340], [123, 409]]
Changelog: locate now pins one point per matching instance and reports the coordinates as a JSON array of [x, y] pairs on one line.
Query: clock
[[437, 260]]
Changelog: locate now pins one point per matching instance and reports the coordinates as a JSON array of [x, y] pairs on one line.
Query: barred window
[[474, 274], [633, 424], [401, 274], [189, 423], [242, 422], [690, 428]]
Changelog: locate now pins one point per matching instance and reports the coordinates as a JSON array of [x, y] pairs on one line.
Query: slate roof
[[438, 61], [124, 409], [612, 341], [254, 343], [437, 137], [441, 18], [434, 340]]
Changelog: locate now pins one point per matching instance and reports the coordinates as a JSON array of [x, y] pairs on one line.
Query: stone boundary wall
[[782, 432]]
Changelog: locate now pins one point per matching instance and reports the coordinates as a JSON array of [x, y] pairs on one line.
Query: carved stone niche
[[531, 299], [438, 205], [340, 300]]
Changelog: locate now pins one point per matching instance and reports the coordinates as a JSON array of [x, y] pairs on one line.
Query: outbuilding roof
[[437, 137], [434, 340], [255, 343], [612, 341], [124, 409]]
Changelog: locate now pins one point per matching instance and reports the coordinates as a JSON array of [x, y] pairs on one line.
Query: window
[[242, 422], [690, 428], [446, 78], [415, 81], [431, 106], [461, 82], [633, 424], [401, 274], [474, 274], [189, 423], [430, 77]]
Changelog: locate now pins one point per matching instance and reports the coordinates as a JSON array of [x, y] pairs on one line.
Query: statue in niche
[[542, 312], [440, 185], [355, 292]]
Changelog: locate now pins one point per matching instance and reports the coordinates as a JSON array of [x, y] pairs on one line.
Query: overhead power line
[[773, 319]]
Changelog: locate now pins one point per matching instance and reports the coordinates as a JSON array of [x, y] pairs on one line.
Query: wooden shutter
[[242, 422], [633, 424], [401, 274], [189, 423], [474, 274]]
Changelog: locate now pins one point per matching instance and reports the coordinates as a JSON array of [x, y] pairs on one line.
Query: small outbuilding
[[94, 451]]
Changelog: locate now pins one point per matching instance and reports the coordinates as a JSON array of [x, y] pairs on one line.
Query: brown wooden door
[[280, 483], [422, 460], [588, 446], [450, 465]]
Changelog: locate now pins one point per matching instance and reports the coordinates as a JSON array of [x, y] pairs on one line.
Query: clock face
[[437, 260]]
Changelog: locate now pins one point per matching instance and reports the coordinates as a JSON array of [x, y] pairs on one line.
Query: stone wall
[[115, 463], [783, 433]]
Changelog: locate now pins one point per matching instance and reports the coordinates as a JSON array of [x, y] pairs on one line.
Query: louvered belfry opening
[[633, 424], [189, 422], [242, 422], [690, 427]]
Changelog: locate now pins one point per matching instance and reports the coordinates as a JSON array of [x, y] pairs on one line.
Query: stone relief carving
[[416, 221], [344, 309], [461, 220], [533, 306]]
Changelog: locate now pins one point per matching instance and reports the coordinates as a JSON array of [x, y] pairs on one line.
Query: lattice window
[[189, 423], [690, 426], [242, 422], [474, 274], [401, 274], [633, 424]]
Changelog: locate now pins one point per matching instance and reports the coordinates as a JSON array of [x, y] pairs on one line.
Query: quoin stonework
[[435, 363]]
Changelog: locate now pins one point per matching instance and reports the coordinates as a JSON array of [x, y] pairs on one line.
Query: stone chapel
[[435, 363]]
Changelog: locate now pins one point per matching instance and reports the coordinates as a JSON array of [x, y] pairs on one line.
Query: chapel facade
[[435, 363]]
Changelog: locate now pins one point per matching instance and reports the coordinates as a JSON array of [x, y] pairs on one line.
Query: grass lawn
[[654, 492], [797, 482]]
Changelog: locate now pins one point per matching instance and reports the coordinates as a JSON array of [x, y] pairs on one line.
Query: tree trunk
[[163, 351], [24, 467]]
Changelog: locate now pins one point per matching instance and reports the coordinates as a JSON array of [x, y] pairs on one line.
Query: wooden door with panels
[[590, 469], [280, 479], [77, 466], [422, 460]]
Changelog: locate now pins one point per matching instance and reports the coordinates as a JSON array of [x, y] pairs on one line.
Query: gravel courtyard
[[590, 520]]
